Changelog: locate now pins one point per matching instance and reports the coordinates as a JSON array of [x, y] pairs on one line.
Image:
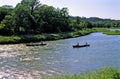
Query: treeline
[[99, 22], [31, 17]]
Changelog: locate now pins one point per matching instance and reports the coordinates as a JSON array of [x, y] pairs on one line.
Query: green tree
[[7, 25], [50, 19], [32, 4], [22, 19], [4, 10]]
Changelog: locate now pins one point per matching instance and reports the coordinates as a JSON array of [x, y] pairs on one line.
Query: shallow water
[[19, 61]]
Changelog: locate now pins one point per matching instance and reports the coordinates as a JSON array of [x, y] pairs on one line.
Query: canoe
[[78, 46], [36, 44]]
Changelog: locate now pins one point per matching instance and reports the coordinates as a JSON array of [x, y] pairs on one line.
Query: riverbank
[[105, 73], [53, 36], [43, 37], [107, 31]]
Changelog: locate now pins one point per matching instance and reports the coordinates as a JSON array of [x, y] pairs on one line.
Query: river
[[18, 61]]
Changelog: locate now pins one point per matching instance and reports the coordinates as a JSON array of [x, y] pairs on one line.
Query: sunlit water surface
[[19, 61]]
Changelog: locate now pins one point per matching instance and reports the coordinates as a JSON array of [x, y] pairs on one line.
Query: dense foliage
[[98, 22], [31, 17]]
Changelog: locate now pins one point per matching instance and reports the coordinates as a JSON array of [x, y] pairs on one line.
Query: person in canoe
[[86, 43], [77, 44]]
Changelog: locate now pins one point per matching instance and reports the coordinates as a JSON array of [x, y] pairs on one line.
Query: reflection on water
[[19, 61]]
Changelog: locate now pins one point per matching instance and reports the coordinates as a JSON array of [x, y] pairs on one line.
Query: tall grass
[[9, 39], [105, 73], [81, 32], [107, 31], [54, 36], [116, 32]]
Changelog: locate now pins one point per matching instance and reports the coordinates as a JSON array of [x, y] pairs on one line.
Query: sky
[[83, 8]]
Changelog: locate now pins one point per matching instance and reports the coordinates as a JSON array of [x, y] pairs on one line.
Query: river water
[[19, 61]]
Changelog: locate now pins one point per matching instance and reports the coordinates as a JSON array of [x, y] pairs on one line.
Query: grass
[[44, 37], [107, 31], [81, 32], [105, 73], [112, 32], [53, 36], [100, 29], [9, 39]]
